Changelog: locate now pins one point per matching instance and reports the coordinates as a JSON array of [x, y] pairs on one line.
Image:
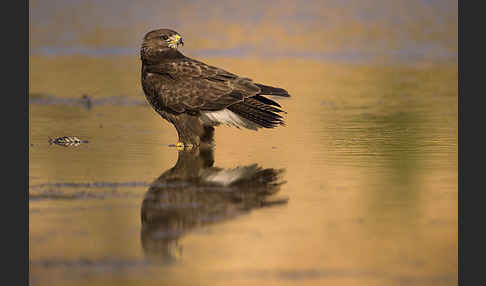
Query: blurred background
[[359, 30], [367, 161]]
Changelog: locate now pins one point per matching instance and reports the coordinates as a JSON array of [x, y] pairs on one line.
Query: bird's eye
[[164, 37]]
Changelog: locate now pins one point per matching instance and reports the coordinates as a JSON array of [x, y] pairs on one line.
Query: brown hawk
[[195, 193], [194, 96]]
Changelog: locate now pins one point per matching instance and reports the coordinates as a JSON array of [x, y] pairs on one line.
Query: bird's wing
[[192, 85]]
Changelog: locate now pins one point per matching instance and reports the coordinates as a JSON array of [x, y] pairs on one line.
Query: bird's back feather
[[220, 97]]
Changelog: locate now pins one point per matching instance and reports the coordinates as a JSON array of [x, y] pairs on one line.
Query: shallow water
[[360, 187]]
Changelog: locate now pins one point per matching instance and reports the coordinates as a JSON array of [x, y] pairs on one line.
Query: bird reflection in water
[[194, 193]]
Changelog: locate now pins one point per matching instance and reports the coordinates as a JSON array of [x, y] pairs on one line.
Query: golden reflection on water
[[195, 193], [370, 153]]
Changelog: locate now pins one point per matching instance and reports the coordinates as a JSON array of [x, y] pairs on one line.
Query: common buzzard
[[194, 96], [195, 193]]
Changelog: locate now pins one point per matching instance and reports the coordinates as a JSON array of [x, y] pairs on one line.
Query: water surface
[[360, 187]]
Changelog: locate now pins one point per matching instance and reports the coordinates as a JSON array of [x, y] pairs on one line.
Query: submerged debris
[[87, 101], [67, 141]]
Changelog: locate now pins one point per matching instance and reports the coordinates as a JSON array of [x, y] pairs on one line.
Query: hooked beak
[[174, 41]]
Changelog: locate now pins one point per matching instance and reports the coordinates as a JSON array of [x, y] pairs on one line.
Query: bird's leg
[[189, 130], [187, 141], [207, 137], [184, 146], [179, 146]]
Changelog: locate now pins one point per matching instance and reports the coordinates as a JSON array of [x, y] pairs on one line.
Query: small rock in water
[[86, 101], [67, 141]]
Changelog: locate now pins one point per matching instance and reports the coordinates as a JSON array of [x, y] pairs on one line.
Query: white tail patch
[[226, 177], [227, 117]]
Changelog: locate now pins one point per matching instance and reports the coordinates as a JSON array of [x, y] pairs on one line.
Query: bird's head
[[160, 41]]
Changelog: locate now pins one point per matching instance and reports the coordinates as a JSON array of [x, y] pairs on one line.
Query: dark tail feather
[[265, 100], [257, 112], [270, 90], [254, 102]]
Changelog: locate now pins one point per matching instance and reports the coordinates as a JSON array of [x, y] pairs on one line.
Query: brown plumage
[[195, 193], [194, 96]]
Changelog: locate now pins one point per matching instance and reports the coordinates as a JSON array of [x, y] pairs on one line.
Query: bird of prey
[[194, 96], [195, 193]]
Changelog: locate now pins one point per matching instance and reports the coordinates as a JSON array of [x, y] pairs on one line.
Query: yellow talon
[[189, 146], [180, 146]]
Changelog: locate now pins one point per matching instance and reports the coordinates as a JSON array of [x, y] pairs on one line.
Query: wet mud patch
[[321, 274], [83, 191], [102, 264], [86, 101]]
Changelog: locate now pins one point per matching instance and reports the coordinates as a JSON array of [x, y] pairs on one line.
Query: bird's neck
[[156, 56]]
